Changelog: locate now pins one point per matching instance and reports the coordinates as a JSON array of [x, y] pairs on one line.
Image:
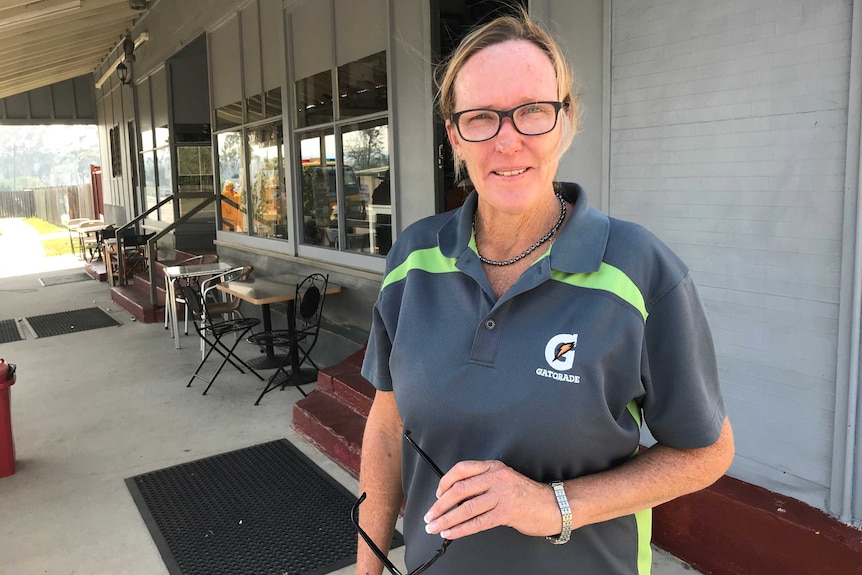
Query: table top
[[174, 272], [271, 289], [92, 226]]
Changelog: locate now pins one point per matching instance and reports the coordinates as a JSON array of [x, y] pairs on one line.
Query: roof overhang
[[48, 41]]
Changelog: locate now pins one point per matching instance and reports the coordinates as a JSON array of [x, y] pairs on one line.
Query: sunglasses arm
[[354, 516]]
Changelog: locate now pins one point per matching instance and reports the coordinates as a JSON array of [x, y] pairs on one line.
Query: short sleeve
[[375, 366], [683, 405]]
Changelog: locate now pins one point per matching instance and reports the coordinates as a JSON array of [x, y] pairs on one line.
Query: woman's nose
[[508, 139]]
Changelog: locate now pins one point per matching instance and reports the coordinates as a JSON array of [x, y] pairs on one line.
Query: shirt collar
[[578, 248]]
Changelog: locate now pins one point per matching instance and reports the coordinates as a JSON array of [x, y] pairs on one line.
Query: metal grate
[[265, 509], [66, 279], [70, 321], [9, 331]]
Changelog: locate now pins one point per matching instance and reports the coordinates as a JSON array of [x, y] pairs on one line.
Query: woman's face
[[511, 171]]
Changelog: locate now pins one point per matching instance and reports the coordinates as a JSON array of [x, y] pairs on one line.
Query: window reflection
[[165, 188], [272, 101], [229, 116], [150, 196], [162, 136], [318, 188], [314, 100], [254, 108], [234, 216], [265, 168], [362, 86], [194, 174], [367, 204]]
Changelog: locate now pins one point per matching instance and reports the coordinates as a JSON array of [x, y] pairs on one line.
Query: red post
[[7, 442]]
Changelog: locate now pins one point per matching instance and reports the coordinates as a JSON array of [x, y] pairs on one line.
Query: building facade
[[730, 129]]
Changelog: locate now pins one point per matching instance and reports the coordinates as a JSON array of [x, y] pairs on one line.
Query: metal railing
[[152, 249]]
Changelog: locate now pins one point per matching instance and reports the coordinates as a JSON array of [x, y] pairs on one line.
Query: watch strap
[[565, 511]]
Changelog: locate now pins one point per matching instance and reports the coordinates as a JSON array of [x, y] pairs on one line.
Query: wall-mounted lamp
[[128, 48], [123, 74]]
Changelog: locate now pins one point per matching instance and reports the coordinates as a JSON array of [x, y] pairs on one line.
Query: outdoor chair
[[300, 337], [212, 332], [230, 306], [178, 300], [72, 226], [126, 250], [225, 307]]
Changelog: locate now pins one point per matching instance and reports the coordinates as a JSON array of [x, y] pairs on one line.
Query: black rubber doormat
[[9, 331], [265, 509], [70, 321], [66, 279]]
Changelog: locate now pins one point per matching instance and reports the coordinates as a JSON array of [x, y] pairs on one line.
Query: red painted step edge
[[736, 528]]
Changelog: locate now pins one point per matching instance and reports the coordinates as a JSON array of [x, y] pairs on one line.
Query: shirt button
[[490, 324]]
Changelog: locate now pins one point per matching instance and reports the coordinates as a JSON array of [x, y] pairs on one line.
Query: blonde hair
[[504, 29]]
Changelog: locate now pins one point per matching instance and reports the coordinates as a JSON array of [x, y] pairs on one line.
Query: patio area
[[93, 408]]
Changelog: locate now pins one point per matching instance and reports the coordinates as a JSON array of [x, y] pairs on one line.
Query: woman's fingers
[[478, 495]]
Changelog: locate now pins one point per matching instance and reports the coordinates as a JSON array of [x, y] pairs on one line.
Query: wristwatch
[[565, 511]]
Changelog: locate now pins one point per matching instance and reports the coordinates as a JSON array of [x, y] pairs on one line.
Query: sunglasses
[[354, 516]]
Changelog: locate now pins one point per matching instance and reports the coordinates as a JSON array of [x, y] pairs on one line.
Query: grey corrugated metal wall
[[729, 133]]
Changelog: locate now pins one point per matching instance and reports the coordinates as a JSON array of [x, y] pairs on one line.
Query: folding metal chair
[[178, 300], [299, 338], [212, 332]]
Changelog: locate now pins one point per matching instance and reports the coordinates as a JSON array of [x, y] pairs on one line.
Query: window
[[344, 188], [155, 150], [116, 160], [266, 170], [234, 210]]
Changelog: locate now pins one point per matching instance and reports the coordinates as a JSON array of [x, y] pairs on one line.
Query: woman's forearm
[[656, 476], [380, 479]]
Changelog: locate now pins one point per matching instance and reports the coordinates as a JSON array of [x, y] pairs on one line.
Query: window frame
[[340, 256]]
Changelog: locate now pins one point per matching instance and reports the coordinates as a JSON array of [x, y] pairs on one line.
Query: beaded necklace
[[551, 233]]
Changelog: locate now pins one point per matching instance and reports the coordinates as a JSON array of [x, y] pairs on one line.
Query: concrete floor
[[91, 409]]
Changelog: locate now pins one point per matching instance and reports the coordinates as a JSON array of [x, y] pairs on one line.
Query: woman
[[521, 340]]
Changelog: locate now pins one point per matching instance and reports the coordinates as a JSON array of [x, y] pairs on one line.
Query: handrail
[[121, 265], [151, 243]]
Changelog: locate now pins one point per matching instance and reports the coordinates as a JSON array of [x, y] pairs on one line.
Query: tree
[[364, 149]]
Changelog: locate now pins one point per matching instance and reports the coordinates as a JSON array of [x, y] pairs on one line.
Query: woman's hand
[[477, 495]]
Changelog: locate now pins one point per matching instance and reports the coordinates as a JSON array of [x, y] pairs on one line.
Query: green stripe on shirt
[[609, 279], [429, 260]]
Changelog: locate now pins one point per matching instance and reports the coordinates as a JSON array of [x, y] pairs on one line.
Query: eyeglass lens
[[531, 119]]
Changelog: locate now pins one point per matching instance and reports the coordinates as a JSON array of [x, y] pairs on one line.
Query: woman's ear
[[454, 141]]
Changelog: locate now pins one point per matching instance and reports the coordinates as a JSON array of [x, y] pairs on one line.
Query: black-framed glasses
[[481, 124], [354, 516]]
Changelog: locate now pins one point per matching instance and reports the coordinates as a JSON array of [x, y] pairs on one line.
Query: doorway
[[451, 20]]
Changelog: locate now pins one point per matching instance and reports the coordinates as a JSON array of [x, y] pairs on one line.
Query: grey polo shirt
[[553, 378]]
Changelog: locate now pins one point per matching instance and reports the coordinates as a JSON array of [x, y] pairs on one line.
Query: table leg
[[297, 375], [270, 360], [175, 320], [291, 328]]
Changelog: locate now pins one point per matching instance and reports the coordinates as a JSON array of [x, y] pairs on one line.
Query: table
[[72, 226], [172, 274], [266, 291], [92, 227]]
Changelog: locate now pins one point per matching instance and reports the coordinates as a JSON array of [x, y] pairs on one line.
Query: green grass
[[56, 247], [52, 246], [42, 227]]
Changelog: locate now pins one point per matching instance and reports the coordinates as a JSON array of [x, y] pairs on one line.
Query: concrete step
[[335, 429], [137, 302], [333, 416], [96, 270], [347, 386], [135, 296]]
